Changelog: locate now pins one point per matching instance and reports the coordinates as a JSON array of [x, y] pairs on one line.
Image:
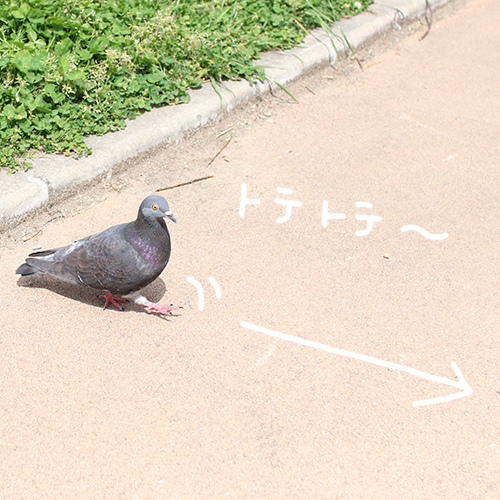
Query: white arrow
[[460, 384]]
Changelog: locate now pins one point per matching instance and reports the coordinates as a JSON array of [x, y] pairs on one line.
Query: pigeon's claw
[[112, 300], [152, 307]]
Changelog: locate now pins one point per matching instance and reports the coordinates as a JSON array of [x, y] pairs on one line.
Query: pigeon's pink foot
[[112, 300], [152, 307]]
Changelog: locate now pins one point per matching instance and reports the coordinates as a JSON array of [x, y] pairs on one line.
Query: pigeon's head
[[156, 206]]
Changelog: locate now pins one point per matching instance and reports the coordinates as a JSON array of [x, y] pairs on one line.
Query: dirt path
[[103, 404]]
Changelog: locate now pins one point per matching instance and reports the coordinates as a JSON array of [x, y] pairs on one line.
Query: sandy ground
[[107, 404]]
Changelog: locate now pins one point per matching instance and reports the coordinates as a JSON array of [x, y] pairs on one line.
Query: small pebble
[[387, 256], [37, 247]]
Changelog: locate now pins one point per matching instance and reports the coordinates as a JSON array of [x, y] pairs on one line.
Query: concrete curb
[[56, 176]]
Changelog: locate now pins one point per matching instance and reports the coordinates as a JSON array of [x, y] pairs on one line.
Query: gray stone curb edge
[[55, 176]]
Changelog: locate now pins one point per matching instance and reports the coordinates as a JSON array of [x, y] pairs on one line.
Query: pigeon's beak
[[170, 215]]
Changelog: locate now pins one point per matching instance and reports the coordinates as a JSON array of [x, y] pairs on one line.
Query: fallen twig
[[184, 183], [220, 150], [371, 64], [33, 235], [225, 132]]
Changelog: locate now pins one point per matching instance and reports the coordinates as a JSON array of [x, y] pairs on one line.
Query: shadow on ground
[[154, 291]]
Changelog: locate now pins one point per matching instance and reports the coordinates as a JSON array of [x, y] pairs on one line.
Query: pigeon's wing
[[96, 260], [107, 261]]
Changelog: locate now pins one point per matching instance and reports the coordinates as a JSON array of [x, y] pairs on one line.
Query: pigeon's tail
[[50, 266], [46, 262], [26, 270]]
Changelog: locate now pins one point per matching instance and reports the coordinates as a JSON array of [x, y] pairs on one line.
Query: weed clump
[[73, 68]]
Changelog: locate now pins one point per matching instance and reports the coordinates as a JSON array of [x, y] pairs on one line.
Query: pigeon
[[121, 260]]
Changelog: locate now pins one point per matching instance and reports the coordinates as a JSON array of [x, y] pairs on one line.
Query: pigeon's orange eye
[[155, 207]]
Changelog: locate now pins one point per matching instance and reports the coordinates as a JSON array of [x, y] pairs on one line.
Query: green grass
[[69, 68]]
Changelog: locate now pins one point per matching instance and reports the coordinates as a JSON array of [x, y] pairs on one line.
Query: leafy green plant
[[73, 68]]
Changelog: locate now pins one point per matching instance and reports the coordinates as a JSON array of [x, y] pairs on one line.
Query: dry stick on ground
[[220, 150], [224, 132], [371, 64], [184, 183], [41, 229], [33, 235], [209, 163], [428, 18]]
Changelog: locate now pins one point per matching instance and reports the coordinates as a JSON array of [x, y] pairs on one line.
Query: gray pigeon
[[121, 260]]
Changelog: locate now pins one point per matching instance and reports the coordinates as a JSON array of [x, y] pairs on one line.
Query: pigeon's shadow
[[154, 291]]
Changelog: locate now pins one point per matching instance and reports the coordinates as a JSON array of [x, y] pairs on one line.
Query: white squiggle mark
[[424, 233], [218, 293], [201, 296]]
